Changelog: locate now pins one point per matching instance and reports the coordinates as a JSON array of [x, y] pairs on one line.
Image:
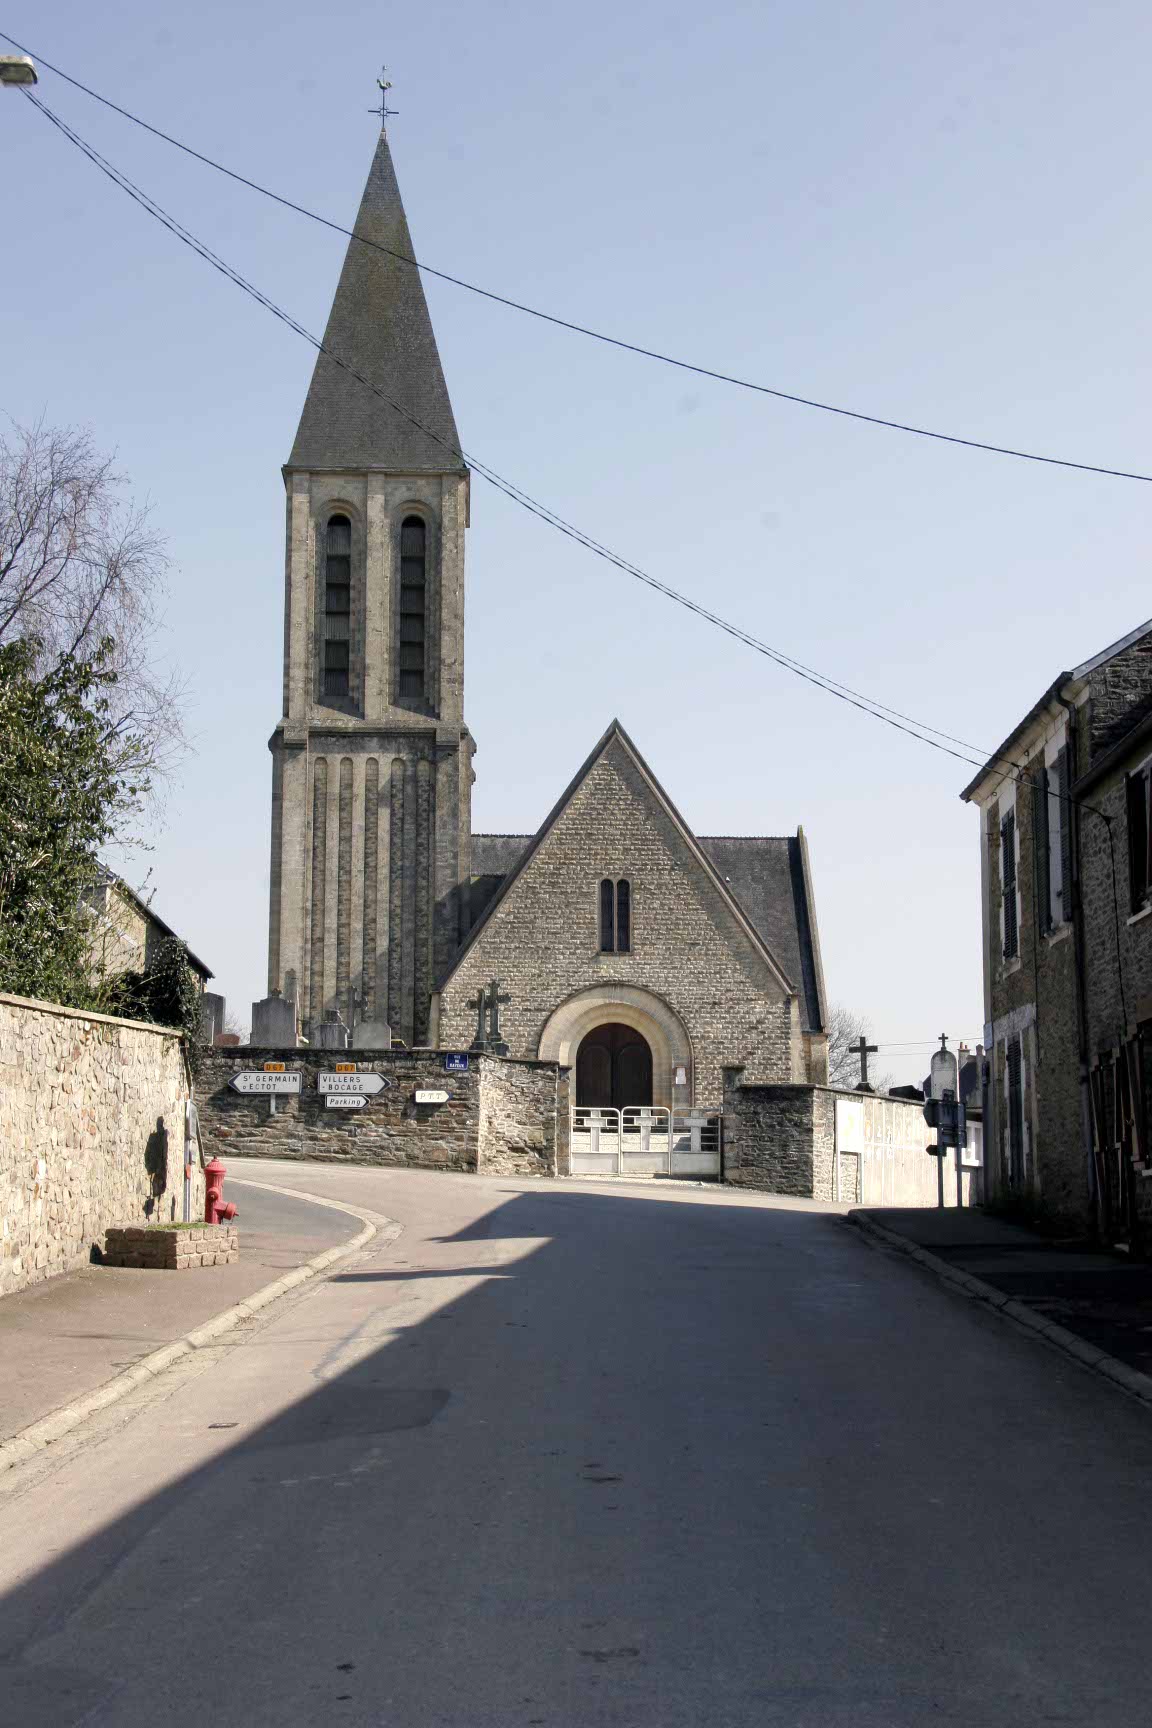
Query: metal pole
[[940, 1156]]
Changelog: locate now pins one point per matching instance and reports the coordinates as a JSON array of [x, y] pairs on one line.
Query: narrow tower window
[[413, 607], [615, 916], [337, 604]]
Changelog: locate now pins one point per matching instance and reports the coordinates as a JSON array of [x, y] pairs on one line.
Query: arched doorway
[[613, 1068]]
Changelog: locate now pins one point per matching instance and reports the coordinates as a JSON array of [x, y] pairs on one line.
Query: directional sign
[[432, 1096], [344, 1101], [456, 1064], [252, 1080], [366, 1084]]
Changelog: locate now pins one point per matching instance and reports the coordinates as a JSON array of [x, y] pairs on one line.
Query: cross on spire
[[384, 84]]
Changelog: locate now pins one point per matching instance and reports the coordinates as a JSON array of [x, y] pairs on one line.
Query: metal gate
[[646, 1141]]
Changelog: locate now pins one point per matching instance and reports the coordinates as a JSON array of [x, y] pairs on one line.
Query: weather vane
[[384, 84]]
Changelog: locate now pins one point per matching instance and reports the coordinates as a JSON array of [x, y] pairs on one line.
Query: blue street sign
[[456, 1064]]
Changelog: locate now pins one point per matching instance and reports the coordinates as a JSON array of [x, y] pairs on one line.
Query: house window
[[1139, 786], [615, 916], [411, 658], [337, 605], [1010, 910], [1042, 849]]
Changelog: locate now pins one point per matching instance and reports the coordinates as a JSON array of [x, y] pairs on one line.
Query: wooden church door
[[613, 1069]]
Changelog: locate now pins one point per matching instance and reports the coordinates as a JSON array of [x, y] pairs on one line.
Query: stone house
[[127, 933], [1067, 947]]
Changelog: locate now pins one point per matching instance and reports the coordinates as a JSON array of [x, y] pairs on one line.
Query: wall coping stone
[[86, 1014]]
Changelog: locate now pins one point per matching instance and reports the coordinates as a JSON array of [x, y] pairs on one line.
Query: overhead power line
[[584, 329], [967, 753], [893, 717]]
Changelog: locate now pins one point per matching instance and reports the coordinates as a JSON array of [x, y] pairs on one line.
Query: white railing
[[645, 1140]]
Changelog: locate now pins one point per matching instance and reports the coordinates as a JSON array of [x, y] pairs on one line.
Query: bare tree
[[844, 1030], [82, 573]]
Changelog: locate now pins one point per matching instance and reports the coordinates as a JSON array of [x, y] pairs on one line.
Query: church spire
[[379, 324]]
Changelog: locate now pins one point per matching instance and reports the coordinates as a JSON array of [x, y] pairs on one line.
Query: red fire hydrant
[[215, 1209]]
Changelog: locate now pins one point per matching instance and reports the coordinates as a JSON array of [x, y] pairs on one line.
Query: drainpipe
[[1078, 956]]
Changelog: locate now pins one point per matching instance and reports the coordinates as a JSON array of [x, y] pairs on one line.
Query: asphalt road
[[564, 1455]]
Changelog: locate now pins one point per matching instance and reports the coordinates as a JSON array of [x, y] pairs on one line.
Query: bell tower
[[372, 761]]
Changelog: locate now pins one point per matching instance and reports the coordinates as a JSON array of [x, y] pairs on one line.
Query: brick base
[[172, 1250]]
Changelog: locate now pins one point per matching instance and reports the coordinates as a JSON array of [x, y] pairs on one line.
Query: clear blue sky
[[933, 213]]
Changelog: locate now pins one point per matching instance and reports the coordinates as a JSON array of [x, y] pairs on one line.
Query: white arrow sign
[[431, 1096], [344, 1101], [366, 1084], [252, 1080]]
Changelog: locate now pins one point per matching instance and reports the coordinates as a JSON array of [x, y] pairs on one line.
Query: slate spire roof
[[379, 324]]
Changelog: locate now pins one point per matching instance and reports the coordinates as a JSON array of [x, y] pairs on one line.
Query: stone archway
[[629, 1006]]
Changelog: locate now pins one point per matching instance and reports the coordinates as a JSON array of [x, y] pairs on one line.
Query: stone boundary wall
[[91, 1134], [784, 1139], [503, 1116]]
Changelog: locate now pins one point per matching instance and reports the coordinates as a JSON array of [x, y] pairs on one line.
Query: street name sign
[[344, 1101], [431, 1095], [366, 1084], [253, 1080], [456, 1064]]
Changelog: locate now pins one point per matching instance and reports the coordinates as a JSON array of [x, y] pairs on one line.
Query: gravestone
[[331, 1033], [274, 1021], [211, 1016], [372, 1035]]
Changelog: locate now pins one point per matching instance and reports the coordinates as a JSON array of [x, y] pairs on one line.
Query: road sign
[[366, 1084], [456, 1064], [344, 1101], [345, 1067], [432, 1095], [274, 1068], [254, 1080]]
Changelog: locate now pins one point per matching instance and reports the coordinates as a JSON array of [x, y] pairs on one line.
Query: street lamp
[[17, 70]]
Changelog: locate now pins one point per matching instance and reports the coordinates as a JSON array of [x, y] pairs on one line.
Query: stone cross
[[495, 1002], [863, 1049], [487, 1002]]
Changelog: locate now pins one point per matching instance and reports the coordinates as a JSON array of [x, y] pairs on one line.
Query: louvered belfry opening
[[412, 658], [337, 606]]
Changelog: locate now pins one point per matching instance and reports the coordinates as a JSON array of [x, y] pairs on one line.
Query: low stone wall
[[502, 1116], [821, 1143], [91, 1134], [156, 1249]]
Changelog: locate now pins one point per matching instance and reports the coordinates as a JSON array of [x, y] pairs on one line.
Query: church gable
[[687, 940]]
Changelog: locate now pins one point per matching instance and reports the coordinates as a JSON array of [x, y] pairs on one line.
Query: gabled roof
[[379, 324], [1064, 685], [508, 855], [108, 879]]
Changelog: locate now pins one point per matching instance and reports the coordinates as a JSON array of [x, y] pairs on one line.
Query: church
[[640, 956]]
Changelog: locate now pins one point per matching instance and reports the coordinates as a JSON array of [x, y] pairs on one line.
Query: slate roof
[[768, 876], [379, 324]]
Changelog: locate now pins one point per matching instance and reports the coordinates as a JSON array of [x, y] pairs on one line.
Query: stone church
[[643, 957]]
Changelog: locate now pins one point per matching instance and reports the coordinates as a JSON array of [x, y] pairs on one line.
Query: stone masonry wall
[[783, 1139], [769, 1136], [91, 1135], [687, 947], [519, 1117], [501, 1116]]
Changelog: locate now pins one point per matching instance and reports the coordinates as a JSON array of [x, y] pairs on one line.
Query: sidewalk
[[62, 1339], [1103, 1298]]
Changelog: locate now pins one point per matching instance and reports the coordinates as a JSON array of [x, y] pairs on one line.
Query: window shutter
[[1041, 852], [1008, 884], [1015, 1112], [1136, 790], [1064, 787]]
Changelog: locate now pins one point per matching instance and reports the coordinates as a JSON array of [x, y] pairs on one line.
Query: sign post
[[269, 1082]]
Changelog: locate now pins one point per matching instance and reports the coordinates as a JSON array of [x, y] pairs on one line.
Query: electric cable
[[584, 329], [867, 705]]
